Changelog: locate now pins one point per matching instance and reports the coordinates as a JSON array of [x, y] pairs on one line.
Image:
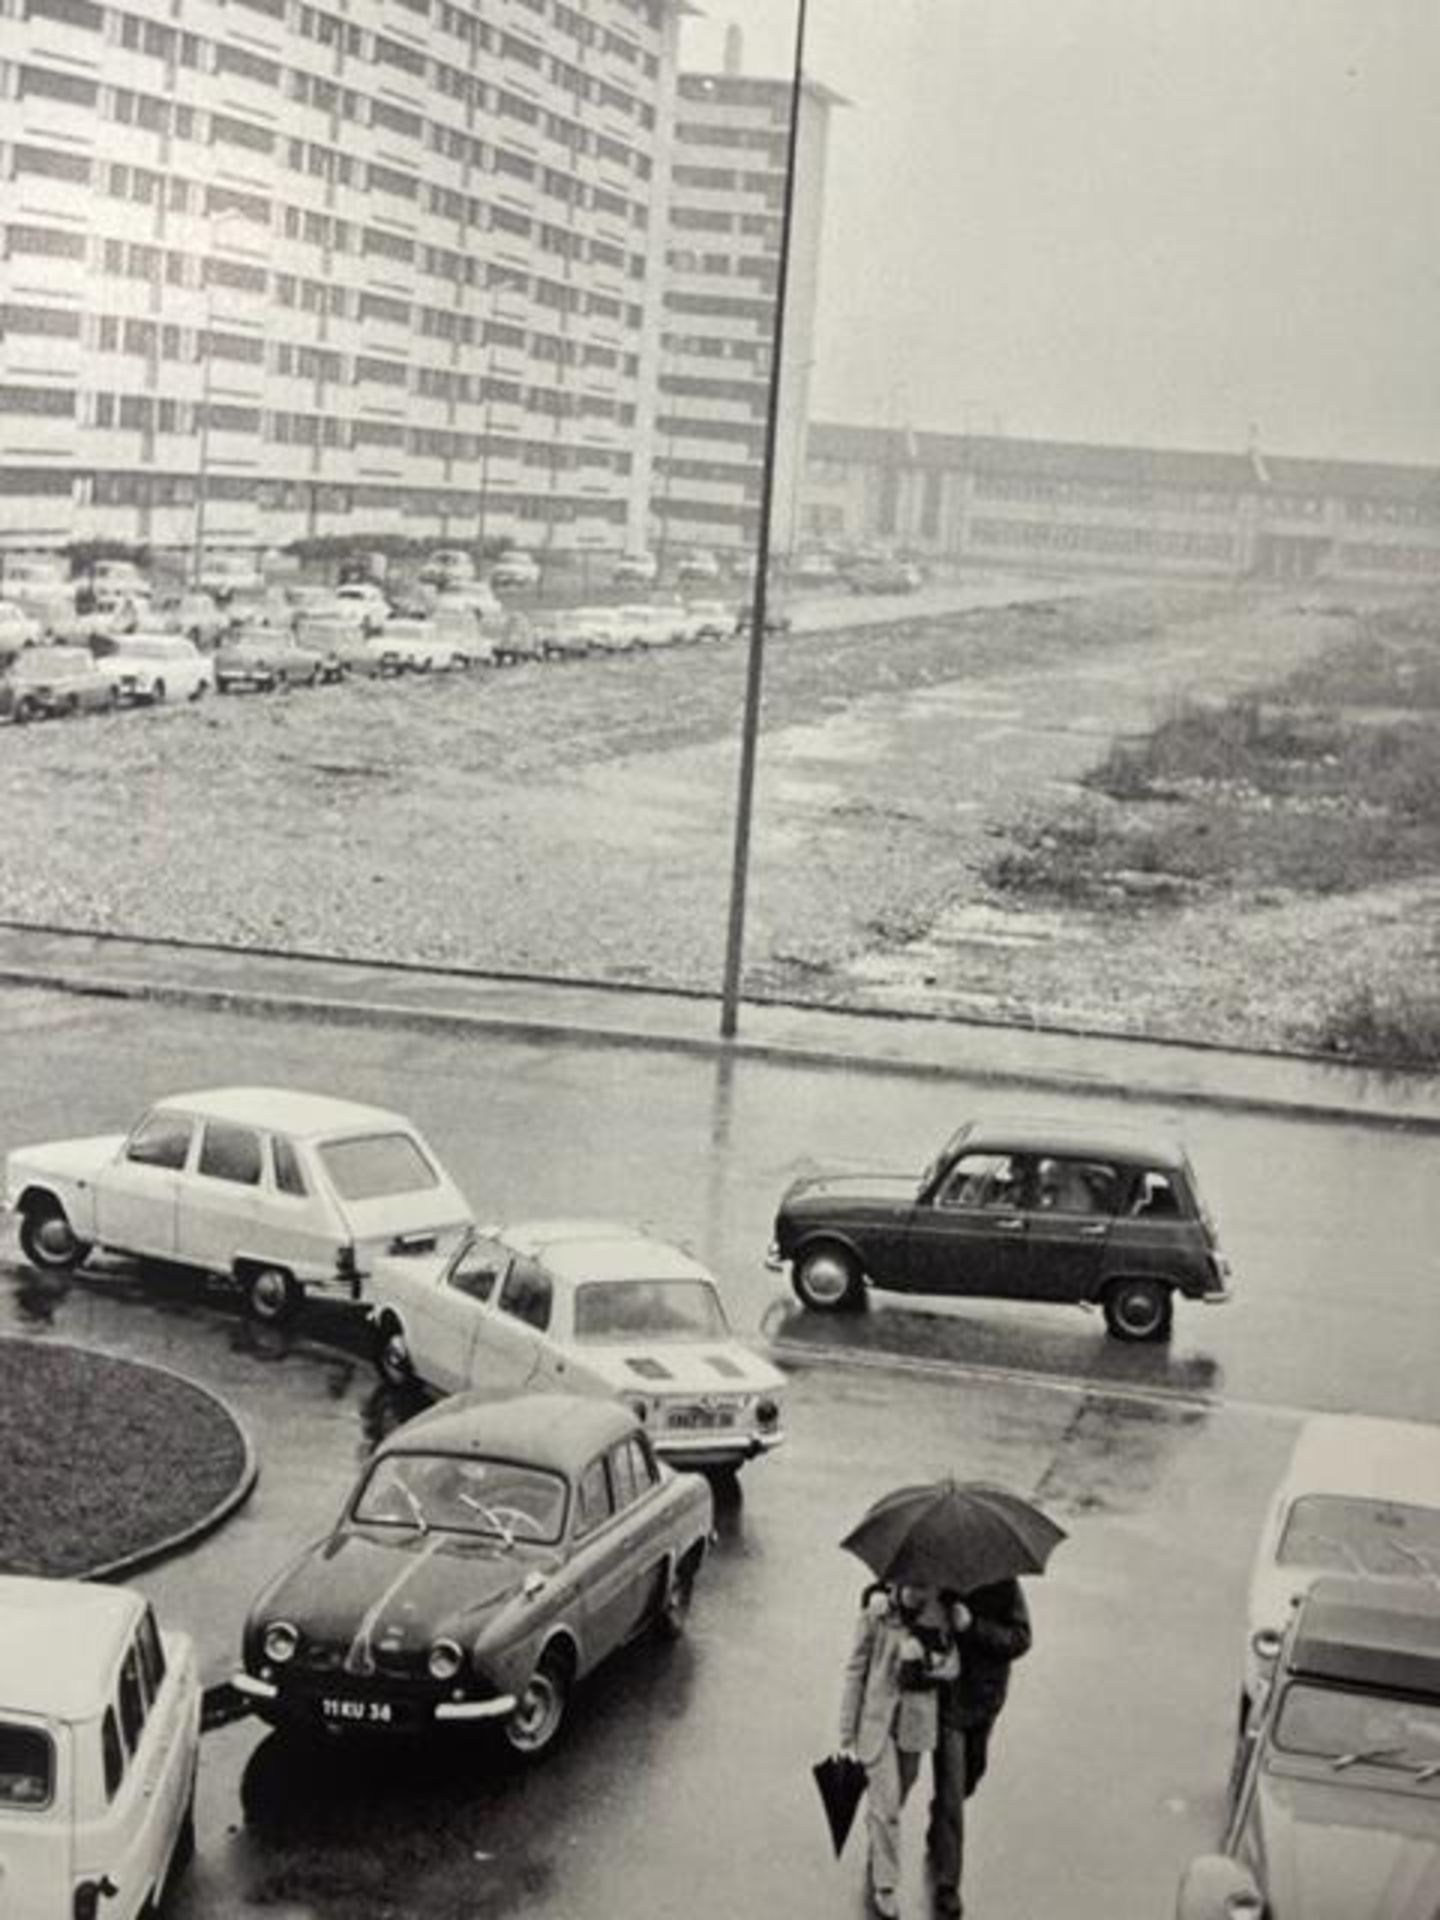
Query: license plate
[[701, 1418], [357, 1713]]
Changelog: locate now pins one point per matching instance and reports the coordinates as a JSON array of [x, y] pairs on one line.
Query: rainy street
[[682, 1782]]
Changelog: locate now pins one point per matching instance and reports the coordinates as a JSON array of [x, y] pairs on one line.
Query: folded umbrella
[[961, 1534], [841, 1780]]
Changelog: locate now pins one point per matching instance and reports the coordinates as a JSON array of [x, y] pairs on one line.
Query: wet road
[[683, 1785]]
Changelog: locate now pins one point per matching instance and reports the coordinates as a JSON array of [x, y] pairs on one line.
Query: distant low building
[[1073, 505]]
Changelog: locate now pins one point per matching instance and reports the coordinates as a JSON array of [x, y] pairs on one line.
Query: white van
[[99, 1744]]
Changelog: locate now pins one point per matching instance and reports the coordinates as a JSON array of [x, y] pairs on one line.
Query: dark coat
[[998, 1634]]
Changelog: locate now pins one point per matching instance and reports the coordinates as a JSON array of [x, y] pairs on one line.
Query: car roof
[[1365, 1458], [558, 1431], [283, 1109], [1378, 1633], [59, 1644], [1059, 1133], [579, 1250]]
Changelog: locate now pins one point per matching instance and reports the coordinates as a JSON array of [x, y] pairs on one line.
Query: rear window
[[376, 1165], [1344, 1534], [27, 1767]]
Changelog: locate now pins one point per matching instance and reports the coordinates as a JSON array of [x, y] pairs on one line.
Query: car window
[[132, 1700], [27, 1767], [595, 1504], [289, 1175], [988, 1180], [378, 1165], [161, 1140], [642, 1464], [463, 1494], [1344, 1533], [650, 1309], [1154, 1197], [230, 1153], [1370, 1729], [152, 1654], [1068, 1185], [528, 1293], [622, 1476], [647, 1455], [478, 1267], [112, 1754]]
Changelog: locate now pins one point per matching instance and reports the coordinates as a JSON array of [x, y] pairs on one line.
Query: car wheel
[[674, 1614], [199, 691], [828, 1278], [540, 1711], [49, 1241], [25, 711], [392, 1354], [157, 694], [1138, 1310], [272, 1295]]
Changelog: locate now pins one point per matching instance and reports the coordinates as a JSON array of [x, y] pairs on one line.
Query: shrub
[[1398, 1029]]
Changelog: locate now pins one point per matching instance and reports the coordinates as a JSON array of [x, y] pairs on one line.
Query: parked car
[[277, 1190], [99, 1745], [39, 584], [698, 567], [343, 644], [635, 570], [491, 1555], [1335, 1789], [652, 625], [585, 1306], [883, 576], [425, 646], [812, 569], [224, 574], [195, 615], [1359, 1496], [518, 639], [710, 619], [515, 569], [603, 629], [477, 599], [305, 603], [264, 658], [561, 633], [1029, 1209], [17, 628], [119, 577], [154, 667], [369, 598], [777, 620], [48, 683], [447, 567]]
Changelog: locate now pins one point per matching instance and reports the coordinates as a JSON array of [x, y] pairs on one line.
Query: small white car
[[515, 569], [99, 1745], [154, 667], [1360, 1496], [655, 625], [17, 628], [369, 598], [277, 1190], [583, 1306], [710, 619], [427, 646], [636, 570], [603, 629]]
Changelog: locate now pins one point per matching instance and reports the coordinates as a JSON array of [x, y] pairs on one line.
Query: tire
[[539, 1713], [392, 1355], [49, 1241], [25, 711], [1138, 1310], [157, 694], [673, 1614], [200, 690], [272, 1296], [827, 1278]]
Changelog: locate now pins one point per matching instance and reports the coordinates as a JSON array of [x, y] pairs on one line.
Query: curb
[[187, 1536], [365, 1013]]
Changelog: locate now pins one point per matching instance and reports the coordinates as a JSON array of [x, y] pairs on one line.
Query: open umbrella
[[953, 1533]]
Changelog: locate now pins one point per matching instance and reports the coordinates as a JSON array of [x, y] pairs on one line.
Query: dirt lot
[[575, 819]]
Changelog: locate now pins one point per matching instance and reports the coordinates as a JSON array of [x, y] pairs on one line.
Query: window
[[230, 1153], [984, 1180], [27, 1767], [288, 1175], [1154, 1197], [480, 1265], [112, 1754], [132, 1701], [595, 1503], [375, 1166], [152, 1654], [1076, 1186], [161, 1140], [622, 1475], [642, 1463], [528, 1294]]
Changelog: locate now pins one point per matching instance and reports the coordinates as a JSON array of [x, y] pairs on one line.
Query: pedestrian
[[994, 1633], [889, 1712]]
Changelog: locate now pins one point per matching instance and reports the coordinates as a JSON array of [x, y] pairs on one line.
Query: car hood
[[400, 1589], [852, 1189], [675, 1366], [1348, 1851], [74, 1157]]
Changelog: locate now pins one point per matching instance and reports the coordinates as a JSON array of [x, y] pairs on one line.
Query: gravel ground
[[576, 818]]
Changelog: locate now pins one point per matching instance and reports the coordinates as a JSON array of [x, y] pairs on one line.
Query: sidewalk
[[381, 994]]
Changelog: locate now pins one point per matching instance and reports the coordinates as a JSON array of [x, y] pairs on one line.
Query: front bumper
[[302, 1704]]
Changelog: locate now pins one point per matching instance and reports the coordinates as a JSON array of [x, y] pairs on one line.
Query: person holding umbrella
[[904, 1650]]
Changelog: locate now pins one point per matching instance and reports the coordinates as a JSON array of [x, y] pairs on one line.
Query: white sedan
[[427, 646], [155, 667], [582, 1306]]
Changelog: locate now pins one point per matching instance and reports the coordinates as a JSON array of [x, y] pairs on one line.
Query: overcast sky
[[1156, 221]]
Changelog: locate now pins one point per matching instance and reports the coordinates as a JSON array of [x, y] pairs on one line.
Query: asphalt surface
[[683, 1784]]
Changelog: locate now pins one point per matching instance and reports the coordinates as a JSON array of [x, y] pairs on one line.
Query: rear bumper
[[714, 1449], [774, 1259]]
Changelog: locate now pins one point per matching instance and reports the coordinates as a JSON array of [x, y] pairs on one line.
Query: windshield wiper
[[417, 1512], [1415, 1557], [1361, 1756], [1343, 1548], [489, 1516]]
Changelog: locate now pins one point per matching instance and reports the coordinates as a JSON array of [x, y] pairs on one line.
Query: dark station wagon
[[1019, 1210]]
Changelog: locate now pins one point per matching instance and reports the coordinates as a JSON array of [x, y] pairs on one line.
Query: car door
[[220, 1200], [600, 1560], [510, 1340], [137, 1197], [445, 1321], [1068, 1225], [969, 1235], [619, 1578]]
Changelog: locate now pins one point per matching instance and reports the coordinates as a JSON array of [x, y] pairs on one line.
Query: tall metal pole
[[202, 477], [750, 730]]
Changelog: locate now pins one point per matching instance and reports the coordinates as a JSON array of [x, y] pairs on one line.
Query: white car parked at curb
[[154, 667]]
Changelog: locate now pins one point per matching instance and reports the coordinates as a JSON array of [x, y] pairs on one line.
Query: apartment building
[[1079, 506], [297, 268], [726, 194]]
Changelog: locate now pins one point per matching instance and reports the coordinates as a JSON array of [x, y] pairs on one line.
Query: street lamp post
[[754, 676], [202, 473]]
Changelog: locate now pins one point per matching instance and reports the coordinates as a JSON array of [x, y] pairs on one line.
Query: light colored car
[[155, 667], [227, 573], [476, 598], [425, 646], [307, 602], [40, 584], [635, 570], [545, 1534], [656, 624], [1334, 1804], [517, 639], [99, 1745], [277, 1190], [584, 1306], [515, 569], [196, 615], [264, 658], [447, 566], [370, 598], [17, 627], [1359, 1496], [698, 566], [342, 642], [52, 683], [602, 629], [710, 619]]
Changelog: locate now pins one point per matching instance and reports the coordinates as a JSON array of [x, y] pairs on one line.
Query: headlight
[[1265, 1643], [767, 1413], [280, 1642], [445, 1660]]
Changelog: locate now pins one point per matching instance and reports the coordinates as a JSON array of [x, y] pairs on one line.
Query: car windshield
[[1343, 1534], [459, 1493], [373, 1166], [649, 1309], [1351, 1728], [27, 1766]]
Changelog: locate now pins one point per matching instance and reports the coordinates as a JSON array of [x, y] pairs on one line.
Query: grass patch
[[104, 1458], [1399, 1028]]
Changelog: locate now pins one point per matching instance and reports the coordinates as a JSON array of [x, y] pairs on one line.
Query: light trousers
[[888, 1782]]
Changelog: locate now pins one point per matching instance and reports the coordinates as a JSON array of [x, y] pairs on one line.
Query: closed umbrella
[[960, 1534]]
